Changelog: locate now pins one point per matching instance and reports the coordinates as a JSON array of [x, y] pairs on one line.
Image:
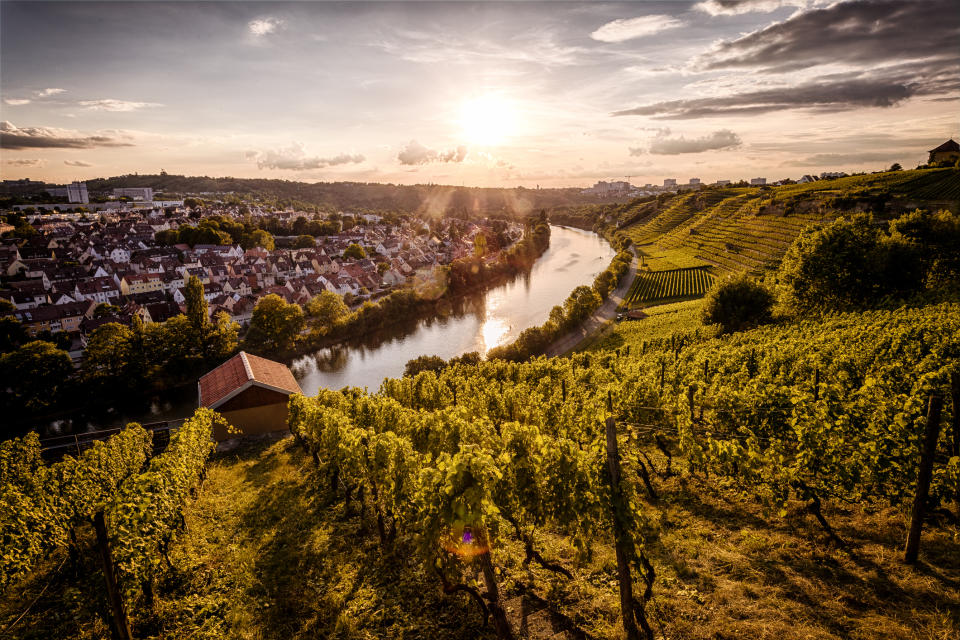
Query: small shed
[[250, 392], [949, 151]]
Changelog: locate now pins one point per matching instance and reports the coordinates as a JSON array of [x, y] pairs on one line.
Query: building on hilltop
[[75, 193], [758, 181], [949, 151], [670, 183], [134, 193], [250, 393]]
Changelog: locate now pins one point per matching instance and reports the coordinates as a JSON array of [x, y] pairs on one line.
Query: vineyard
[[739, 230], [675, 283], [585, 491]]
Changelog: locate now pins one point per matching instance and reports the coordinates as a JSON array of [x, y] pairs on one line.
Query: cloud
[[738, 7], [294, 158], [840, 94], [415, 153], [16, 102], [264, 26], [27, 162], [13, 137], [663, 144], [862, 32], [77, 163], [630, 28], [52, 91], [108, 104]]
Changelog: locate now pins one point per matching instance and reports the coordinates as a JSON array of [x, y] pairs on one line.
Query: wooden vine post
[[620, 535], [931, 433], [119, 624], [816, 385], [955, 396]]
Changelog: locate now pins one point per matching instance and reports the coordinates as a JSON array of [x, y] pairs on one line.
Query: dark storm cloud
[[13, 137], [861, 32], [827, 96]]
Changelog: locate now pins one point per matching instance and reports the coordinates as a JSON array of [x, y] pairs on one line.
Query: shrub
[[738, 303]]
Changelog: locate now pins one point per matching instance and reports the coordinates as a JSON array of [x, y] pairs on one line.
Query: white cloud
[[109, 104], [294, 158], [415, 153], [52, 91], [77, 163], [740, 7], [630, 28], [663, 144], [16, 102], [264, 26]]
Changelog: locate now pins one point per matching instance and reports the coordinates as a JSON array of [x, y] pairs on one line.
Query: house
[[949, 151], [250, 393]]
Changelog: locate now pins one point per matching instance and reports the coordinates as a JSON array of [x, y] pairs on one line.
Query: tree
[[304, 242], [424, 363], [325, 310], [274, 326], [12, 334], [220, 341], [105, 309], [479, 245], [895, 167], [197, 310], [258, 238], [738, 303], [581, 303], [106, 360], [354, 251], [35, 375]]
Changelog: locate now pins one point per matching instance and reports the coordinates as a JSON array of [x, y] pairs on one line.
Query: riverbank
[[599, 319]]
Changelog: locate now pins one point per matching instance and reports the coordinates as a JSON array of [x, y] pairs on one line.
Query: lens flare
[[463, 542]]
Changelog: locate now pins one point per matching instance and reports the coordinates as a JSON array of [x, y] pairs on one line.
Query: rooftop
[[243, 371]]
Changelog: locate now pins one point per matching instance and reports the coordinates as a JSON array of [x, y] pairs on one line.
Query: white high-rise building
[[694, 180], [135, 193], [669, 183], [758, 181], [77, 192]]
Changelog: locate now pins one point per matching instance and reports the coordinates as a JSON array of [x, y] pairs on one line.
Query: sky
[[479, 94]]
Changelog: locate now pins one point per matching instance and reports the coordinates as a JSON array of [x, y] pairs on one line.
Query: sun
[[488, 120]]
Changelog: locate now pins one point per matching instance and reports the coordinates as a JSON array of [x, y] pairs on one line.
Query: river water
[[482, 322], [476, 323]]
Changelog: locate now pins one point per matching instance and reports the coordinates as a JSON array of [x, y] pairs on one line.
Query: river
[[482, 322], [476, 323]]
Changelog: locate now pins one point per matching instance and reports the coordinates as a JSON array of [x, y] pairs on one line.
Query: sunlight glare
[[488, 120]]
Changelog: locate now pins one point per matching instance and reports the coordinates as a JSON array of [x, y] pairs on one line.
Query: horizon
[[497, 95]]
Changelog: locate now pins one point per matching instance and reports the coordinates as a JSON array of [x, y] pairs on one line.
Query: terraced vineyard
[[675, 283]]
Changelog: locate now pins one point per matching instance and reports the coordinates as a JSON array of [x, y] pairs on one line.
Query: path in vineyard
[[534, 620], [600, 317]]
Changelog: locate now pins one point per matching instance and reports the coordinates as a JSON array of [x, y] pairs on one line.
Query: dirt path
[[599, 318]]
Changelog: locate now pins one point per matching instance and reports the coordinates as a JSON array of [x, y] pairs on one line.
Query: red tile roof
[[241, 371]]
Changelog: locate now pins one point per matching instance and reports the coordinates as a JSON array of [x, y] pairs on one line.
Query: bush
[[738, 303], [424, 363]]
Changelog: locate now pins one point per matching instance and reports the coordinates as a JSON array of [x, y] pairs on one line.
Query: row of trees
[[578, 306], [120, 362]]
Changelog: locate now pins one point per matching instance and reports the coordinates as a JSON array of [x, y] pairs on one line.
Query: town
[[68, 271]]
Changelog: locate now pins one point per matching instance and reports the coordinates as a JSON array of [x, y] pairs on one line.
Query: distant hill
[[358, 195]]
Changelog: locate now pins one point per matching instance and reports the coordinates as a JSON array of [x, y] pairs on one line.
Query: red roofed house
[[250, 392]]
